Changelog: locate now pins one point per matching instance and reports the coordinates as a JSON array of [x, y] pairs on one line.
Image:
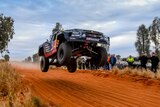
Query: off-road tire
[[100, 59], [72, 67], [44, 64], [64, 54]]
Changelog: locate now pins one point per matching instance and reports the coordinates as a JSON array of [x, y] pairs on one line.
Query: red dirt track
[[86, 90]]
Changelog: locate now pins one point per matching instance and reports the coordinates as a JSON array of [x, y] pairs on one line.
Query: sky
[[118, 19]]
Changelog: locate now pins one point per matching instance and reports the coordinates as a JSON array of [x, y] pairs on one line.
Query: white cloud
[[110, 2], [22, 38], [123, 40], [136, 2], [31, 30], [104, 27], [123, 44], [25, 11], [140, 2], [27, 38]]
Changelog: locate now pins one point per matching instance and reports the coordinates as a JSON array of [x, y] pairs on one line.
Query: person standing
[[130, 61], [154, 61], [143, 59], [83, 62], [106, 66], [113, 60]]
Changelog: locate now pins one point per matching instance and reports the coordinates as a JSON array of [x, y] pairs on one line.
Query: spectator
[[107, 67], [113, 60], [143, 59], [83, 62], [130, 61], [119, 63], [91, 64], [88, 64], [154, 61]]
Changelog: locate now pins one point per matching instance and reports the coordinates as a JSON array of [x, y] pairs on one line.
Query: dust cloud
[[24, 65]]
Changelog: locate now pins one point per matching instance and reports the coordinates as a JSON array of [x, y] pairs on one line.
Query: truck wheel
[[44, 63], [64, 54], [101, 58], [72, 67]]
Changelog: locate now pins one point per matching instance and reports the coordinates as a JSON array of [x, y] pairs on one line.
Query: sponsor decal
[[72, 38], [47, 54], [92, 39]]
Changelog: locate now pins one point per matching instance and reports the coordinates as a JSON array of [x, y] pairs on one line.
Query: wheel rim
[[61, 54]]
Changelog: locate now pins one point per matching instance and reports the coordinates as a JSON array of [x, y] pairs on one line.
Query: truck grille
[[93, 35]]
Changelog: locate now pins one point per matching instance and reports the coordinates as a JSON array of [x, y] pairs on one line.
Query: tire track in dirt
[[85, 90]]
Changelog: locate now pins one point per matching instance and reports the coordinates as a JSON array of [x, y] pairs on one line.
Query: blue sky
[[118, 19]]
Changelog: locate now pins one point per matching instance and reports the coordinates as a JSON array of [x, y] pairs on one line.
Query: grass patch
[[133, 72], [115, 71], [10, 81], [13, 93]]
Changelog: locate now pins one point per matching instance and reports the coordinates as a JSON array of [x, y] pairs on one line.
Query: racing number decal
[[55, 42]]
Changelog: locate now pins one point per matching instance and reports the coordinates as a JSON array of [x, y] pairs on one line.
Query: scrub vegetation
[[13, 92]]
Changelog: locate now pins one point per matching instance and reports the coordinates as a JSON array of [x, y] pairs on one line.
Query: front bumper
[[88, 40]]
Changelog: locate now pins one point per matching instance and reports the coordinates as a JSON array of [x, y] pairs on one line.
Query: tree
[[154, 31], [35, 57], [6, 32], [29, 59], [6, 57], [143, 42]]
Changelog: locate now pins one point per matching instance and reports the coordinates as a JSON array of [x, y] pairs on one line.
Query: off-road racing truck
[[64, 47]]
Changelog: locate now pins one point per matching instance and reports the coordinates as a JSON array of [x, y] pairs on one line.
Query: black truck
[[64, 47]]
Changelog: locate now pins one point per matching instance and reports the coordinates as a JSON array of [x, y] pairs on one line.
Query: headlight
[[83, 35], [101, 45]]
